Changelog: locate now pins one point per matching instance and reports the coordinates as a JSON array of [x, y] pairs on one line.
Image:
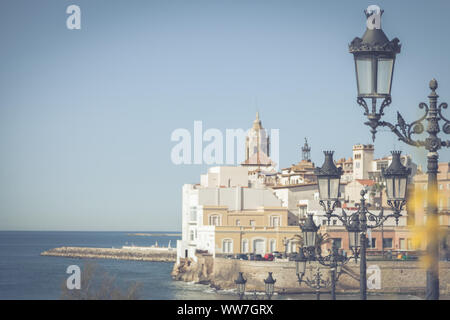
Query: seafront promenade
[[154, 254]]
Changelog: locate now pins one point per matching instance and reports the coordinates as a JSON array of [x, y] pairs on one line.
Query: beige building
[[260, 231]]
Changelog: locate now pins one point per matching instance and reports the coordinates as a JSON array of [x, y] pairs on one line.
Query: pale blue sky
[[86, 115]]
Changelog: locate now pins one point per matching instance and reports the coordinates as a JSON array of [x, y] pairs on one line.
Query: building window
[[273, 245], [193, 214], [334, 222], [324, 222], [192, 235], [293, 246], [238, 222], [302, 211], [275, 221], [387, 242], [227, 246], [357, 164], [373, 243], [402, 244], [214, 220], [337, 242], [358, 156], [381, 165], [252, 223], [245, 246]]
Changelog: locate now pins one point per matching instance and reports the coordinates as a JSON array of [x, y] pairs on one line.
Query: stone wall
[[396, 276]]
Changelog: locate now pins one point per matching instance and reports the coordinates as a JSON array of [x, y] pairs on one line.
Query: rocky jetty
[[125, 253]]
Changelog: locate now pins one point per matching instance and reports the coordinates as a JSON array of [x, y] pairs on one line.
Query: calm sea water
[[24, 274]]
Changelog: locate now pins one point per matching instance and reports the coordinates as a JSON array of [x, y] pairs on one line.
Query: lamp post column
[[432, 145], [333, 282], [362, 268]]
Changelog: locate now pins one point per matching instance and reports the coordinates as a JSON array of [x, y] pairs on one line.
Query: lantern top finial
[[270, 279], [240, 279], [328, 168], [433, 84], [309, 225], [374, 39], [396, 168]]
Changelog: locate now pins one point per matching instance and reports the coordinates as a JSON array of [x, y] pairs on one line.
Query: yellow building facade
[[259, 231]]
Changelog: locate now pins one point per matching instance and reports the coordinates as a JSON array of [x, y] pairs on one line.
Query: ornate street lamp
[[309, 232], [374, 56], [240, 285], [328, 180], [374, 46], [357, 225], [269, 285], [313, 253], [300, 264], [396, 177], [354, 238]]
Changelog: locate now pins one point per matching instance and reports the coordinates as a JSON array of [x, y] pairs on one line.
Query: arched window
[[227, 246]]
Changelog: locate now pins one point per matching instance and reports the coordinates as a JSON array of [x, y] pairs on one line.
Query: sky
[[86, 116]]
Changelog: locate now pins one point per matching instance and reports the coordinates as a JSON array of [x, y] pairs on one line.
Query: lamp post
[[358, 222], [240, 285], [269, 285], [374, 58], [334, 260]]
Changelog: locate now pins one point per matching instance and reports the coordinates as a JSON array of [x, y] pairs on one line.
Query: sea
[[25, 274]]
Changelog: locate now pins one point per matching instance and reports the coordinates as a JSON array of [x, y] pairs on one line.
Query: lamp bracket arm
[[446, 126], [403, 131], [363, 104]]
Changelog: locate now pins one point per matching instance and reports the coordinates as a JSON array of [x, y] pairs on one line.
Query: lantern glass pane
[[310, 239], [384, 75], [354, 240], [364, 75], [300, 267], [402, 188], [334, 188], [269, 289], [323, 188], [390, 187]]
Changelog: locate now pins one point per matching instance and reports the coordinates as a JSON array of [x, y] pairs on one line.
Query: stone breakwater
[[125, 253]]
